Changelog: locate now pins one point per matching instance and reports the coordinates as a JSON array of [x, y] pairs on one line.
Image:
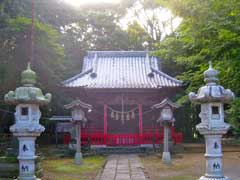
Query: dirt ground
[[189, 166]]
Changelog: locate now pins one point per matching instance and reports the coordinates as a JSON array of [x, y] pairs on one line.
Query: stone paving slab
[[123, 167]]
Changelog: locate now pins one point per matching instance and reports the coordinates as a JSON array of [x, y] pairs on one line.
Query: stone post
[[27, 99], [212, 97], [78, 154], [166, 156], [166, 118]]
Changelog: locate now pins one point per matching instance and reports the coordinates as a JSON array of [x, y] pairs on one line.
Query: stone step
[[121, 150]]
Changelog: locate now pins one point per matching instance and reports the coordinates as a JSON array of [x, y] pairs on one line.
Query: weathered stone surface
[[27, 99], [212, 97], [123, 167]]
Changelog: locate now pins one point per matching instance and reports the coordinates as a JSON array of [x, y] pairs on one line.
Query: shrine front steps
[[133, 150], [121, 150], [175, 149]]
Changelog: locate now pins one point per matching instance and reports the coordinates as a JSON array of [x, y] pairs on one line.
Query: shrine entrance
[[122, 86], [123, 122], [123, 126]]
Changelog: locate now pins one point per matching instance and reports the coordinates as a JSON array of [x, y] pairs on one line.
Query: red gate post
[[140, 124], [105, 124]]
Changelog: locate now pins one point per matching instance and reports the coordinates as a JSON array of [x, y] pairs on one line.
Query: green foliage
[[233, 115], [62, 36], [93, 31], [15, 44], [155, 20], [209, 32], [48, 53], [136, 36]]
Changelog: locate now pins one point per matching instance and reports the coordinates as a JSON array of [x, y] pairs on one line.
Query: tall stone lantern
[[78, 118], [212, 97], [27, 99], [166, 118]]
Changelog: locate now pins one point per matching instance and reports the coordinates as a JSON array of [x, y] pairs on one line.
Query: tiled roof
[[121, 69]]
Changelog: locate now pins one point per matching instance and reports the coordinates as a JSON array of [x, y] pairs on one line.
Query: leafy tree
[[51, 12], [94, 31], [137, 36], [155, 20], [209, 32], [15, 51]]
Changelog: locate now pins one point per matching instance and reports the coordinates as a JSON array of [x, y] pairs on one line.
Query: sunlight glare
[[86, 2]]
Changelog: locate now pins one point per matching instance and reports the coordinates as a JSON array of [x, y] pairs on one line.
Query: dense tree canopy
[[209, 31]]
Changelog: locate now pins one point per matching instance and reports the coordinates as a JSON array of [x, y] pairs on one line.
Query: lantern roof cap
[[211, 92], [211, 75], [78, 103], [164, 103], [28, 76], [27, 93]]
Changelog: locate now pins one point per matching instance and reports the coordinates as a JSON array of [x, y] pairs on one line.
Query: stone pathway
[[123, 167]]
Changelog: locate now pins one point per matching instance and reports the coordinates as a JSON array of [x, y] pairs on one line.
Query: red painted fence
[[124, 139]]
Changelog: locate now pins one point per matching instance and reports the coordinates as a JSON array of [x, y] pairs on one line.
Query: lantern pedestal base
[[166, 158], [27, 178], [213, 178], [78, 158]]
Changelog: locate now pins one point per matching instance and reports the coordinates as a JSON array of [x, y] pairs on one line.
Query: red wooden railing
[[152, 138], [124, 139]]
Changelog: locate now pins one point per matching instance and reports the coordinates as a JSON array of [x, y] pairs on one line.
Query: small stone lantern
[[212, 97], [27, 99], [78, 118], [166, 118]]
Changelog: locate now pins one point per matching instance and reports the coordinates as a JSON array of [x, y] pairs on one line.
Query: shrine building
[[122, 86]]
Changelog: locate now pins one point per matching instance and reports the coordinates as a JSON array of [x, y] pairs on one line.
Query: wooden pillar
[[105, 124], [140, 123]]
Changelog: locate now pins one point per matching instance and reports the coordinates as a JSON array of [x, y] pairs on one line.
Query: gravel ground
[[189, 166]]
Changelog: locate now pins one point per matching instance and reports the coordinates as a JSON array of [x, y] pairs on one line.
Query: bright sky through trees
[[85, 2], [160, 14]]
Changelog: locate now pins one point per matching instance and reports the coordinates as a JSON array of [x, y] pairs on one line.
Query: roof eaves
[[164, 103], [167, 76], [76, 103], [77, 76]]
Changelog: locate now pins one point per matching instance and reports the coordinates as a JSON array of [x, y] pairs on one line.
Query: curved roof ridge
[[166, 76], [121, 69], [77, 76], [117, 53]]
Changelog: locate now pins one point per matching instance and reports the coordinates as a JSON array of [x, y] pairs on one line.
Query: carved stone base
[[28, 178], [166, 158], [78, 158], [213, 178]]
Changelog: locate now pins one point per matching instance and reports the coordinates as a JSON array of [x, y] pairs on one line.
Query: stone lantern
[[166, 118], [78, 118], [27, 99], [212, 97]]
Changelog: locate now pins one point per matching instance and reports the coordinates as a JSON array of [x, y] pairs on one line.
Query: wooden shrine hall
[[122, 86]]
